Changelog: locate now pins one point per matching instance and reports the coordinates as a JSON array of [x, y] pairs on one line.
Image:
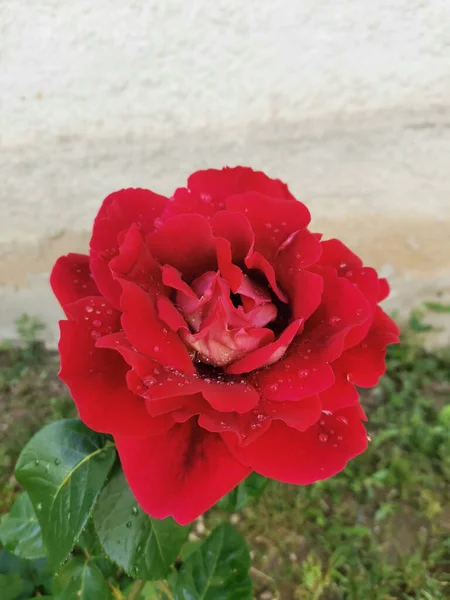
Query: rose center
[[225, 326]]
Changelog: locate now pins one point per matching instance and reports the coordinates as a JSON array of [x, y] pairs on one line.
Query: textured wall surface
[[348, 101]]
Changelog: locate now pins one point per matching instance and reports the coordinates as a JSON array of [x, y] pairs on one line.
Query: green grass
[[378, 531]]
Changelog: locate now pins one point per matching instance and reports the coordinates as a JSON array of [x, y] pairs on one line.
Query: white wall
[[347, 100]]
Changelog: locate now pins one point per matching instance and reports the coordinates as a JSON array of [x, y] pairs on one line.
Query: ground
[[378, 531]]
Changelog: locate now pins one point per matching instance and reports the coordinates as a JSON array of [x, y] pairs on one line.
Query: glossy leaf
[[81, 580], [218, 570], [20, 532], [144, 547], [247, 491], [63, 469]]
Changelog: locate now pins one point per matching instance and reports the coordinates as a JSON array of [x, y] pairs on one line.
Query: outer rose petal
[[181, 474], [321, 451], [384, 289], [118, 211], [273, 220], [207, 190], [96, 377], [71, 279], [336, 254], [366, 363], [342, 393]]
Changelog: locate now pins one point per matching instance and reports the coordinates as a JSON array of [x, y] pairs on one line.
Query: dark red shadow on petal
[[181, 474]]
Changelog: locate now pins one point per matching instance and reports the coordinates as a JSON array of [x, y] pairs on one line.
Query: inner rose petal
[[224, 327]]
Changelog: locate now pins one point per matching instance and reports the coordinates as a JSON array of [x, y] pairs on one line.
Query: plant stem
[[135, 589], [165, 588]]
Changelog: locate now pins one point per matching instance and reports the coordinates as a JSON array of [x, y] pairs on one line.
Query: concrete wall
[[346, 100]]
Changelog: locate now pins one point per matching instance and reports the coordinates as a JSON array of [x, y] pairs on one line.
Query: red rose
[[212, 334]]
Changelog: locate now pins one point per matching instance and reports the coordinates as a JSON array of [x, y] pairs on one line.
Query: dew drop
[[206, 198], [359, 313], [274, 387], [342, 420], [149, 381], [117, 542], [96, 323], [165, 332], [340, 438], [95, 335], [134, 511], [369, 437], [89, 309], [37, 462], [57, 461], [269, 225], [39, 506], [327, 412], [207, 380], [333, 321], [128, 524], [303, 373], [255, 425], [349, 274], [261, 417], [157, 223], [139, 548], [109, 311], [76, 281], [321, 422], [155, 348], [323, 437], [156, 371]]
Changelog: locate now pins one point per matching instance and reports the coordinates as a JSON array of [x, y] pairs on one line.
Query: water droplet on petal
[[333, 321], [349, 274], [109, 311], [157, 223], [342, 420], [89, 309], [340, 438], [95, 335], [155, 348], [274, 387], [323, 437], [343, 265], [327, 412], [96, 323], [303, 373], [206, 198], [269, 225]]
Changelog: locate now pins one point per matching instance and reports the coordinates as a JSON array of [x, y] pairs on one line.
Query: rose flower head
[[212, 335]]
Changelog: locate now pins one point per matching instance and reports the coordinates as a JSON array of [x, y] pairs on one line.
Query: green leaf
[[144, 547], [20, 532], [80, 580], [249, 490], [63, 468], [11, 586], [218, 570], [438, 307]]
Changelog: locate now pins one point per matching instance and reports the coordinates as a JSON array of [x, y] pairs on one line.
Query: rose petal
[[304, 372], [71, 279], [257, 261], [273, 220], [336, 254], [186, 472], [96, 377], [148, 333], [117, 213], [266, 355], [185, 242], [285, 454]]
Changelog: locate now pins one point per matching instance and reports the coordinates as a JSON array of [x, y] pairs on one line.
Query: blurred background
[[347, 101]]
